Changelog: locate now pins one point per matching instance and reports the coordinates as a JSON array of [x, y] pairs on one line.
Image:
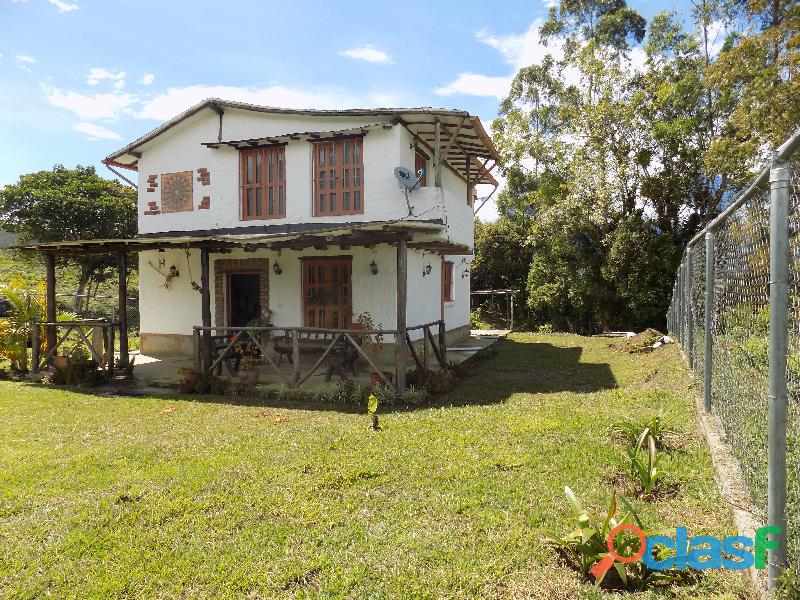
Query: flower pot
[[376, 380], [61, 362], [249, 376]]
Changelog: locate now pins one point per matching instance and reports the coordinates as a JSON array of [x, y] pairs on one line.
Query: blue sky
[[80, 78]]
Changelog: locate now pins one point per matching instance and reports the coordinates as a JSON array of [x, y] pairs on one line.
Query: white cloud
[[148, 79], [518, 50], [716, 37], [476, 85], [96, 75], [96, 132], [24, 58], [97, 106], [63, 6], [176, 100], [369, 54]]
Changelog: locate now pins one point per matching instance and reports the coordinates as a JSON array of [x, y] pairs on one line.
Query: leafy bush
[[82, 370], [434, 382], [196, 382], [657, 425], [27, 304]]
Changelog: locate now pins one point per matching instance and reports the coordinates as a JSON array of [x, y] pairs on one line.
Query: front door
[[244, 299], [327, 292]]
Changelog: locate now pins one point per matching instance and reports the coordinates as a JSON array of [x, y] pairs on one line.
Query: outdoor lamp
[[465, 273], [276, 268], [373, 268], [426, 270]]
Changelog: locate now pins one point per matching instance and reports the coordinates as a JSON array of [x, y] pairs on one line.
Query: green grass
[[181, 497]]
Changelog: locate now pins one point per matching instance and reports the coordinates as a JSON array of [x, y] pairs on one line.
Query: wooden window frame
[[345, 320], [344, 181], [268, 177], [448, 294], [421, 162]]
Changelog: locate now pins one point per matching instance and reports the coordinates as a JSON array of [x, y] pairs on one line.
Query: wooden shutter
[[338, 177], [447, 281], [263, 176], [327, 292]]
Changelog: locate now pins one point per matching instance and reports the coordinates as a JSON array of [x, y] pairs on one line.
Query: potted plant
[[248, 370], [373, 344], [62, 361]]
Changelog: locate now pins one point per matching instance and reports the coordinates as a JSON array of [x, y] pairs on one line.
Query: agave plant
[[645, 468], [588, 544]]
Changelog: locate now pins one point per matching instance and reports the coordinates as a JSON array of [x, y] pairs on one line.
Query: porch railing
[[335, 338], [104, 358]]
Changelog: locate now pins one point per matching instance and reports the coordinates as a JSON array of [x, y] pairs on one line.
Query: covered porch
[[284, 353]]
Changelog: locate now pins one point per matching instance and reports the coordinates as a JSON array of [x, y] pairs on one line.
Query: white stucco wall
[[180, 149], [175, 310]]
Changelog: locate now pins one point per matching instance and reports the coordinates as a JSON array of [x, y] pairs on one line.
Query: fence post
[[689, 346], [709, 321], [681, 298], [196, 348], [778, 350], [295, 357]]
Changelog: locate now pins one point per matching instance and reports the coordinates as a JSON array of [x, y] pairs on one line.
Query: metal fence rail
[[736, 312]]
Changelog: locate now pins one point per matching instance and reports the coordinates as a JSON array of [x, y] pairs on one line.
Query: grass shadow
[[517, 367]]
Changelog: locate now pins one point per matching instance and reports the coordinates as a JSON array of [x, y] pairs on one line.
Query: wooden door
[[327, 292]]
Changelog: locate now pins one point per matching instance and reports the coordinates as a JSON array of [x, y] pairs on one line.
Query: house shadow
[[517, 367], [530, 368]]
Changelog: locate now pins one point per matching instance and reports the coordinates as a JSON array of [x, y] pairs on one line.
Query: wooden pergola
[[402, 235]]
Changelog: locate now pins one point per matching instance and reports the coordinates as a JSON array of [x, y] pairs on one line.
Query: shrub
[[196, 382], [434, 382], [82, 370], [27, 304], [657, 425]]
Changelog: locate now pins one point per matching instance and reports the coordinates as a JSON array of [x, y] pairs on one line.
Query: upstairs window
[[338, 177], [421, 162], [447, 281], [263, 183]]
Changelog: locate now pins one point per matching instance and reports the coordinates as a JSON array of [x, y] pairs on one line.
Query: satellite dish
[[406, 178]]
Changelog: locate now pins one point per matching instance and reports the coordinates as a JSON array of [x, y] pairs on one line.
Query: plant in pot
[[248, 370], [373, 344]]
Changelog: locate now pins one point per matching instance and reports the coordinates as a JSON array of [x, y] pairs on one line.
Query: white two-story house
[[301, 220]]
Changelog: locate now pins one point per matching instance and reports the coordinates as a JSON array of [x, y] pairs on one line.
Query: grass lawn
[[182, 497]]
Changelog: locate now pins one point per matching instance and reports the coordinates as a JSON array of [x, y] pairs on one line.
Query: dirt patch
[[625, 486], [641, 342]]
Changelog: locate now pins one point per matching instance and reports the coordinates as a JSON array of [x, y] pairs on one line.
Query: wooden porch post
[[437, 153], [469, 181], [50, 299], [122, 309], [206, 308], [402, 285]]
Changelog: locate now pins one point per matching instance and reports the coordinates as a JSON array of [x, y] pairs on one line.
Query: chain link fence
[[726, 299]]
